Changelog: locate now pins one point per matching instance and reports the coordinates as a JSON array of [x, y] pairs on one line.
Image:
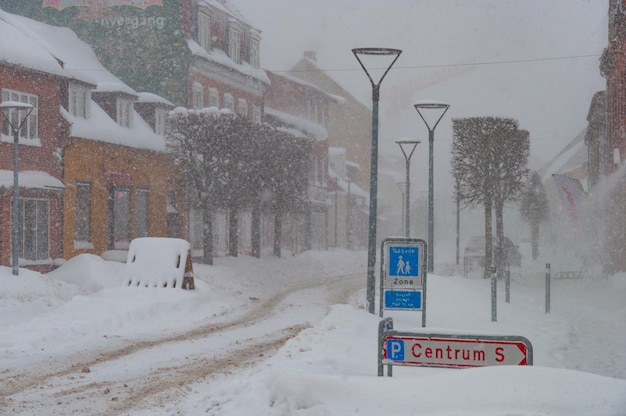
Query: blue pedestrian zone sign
[[403, 275], [403, 261]]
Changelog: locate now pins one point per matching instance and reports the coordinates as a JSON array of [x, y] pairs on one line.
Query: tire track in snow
[[68, 371]]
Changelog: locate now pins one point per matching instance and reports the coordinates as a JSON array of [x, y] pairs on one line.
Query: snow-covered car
[[475, 251]]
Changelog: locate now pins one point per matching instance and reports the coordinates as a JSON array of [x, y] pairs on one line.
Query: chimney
[[312, 55]]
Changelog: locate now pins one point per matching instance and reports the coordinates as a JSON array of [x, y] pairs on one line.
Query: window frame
[[79, 98], [242, 107], [160, 121], [124, 112], [214, 97], [142, 215], [229, 102], [234, 43], [30, 129], [82, 212], [204, 30], [35, 254], [197, 96]]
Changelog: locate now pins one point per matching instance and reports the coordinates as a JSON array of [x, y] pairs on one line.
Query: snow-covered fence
[[159, 262]]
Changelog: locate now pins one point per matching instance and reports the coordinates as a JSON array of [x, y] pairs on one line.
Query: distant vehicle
[[475, 251]]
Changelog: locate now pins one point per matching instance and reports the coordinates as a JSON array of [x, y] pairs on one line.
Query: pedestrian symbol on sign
[[403, 261]]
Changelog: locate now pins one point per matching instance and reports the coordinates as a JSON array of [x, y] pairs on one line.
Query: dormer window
[[234, 43], [160, 121], [124, 112], [204, 31], [79, 101], [254, 56]]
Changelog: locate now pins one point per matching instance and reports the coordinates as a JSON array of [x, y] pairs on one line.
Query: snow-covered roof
[[30, 179], [228, 8], [56, 50], [22, 47], [101, 127], [344, 185], [315, 130], [219, 56], [336, 98], [148, 97]]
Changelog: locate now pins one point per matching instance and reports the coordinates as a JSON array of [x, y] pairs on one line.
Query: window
[[160, 121], [255, 59], [204, 31], [141, 212], [79, 97], [214, 98], [34, 233], [229, 102], [234, 44], [323, 112], [82, 212], [242, 107], [197, 96], [119, 212], [124, 112], [256, 113], [29, 128]]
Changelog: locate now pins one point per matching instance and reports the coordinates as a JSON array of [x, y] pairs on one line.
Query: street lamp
[[410, 144], [394, 54], [15, 113], [440, 109]]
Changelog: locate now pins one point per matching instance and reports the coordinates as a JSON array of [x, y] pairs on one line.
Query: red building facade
[[40, 170], [613, 68]]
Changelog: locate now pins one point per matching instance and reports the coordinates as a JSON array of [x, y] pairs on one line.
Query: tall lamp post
[[394, 54], [15, 113], [440, 109], [408, 152]]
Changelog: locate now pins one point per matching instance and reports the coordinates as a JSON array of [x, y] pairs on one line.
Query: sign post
[[403, 275], [449, 350]]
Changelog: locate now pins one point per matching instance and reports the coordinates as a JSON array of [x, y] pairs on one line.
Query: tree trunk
[[488, 240], [207, 233], [233, 234], [534, 238], [278, 232], [499, 207], [256, 232]]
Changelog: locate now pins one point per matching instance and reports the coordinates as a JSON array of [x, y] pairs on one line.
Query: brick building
[[93, 173], [613, 68]]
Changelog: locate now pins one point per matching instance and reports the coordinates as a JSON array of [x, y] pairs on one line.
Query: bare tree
[[489, 161], [534, 209], [232, 163]]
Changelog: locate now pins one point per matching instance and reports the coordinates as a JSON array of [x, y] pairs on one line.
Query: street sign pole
[[403, 275]]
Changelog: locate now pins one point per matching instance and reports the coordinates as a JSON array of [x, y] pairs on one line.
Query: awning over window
[[31, 179]]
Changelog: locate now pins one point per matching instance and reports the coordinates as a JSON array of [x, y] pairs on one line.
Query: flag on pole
[[572, 195]]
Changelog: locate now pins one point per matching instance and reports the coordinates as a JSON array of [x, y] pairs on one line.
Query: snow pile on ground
[[331, 367]]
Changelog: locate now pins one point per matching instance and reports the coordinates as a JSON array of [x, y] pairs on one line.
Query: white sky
[[550, 97], [82, 314]]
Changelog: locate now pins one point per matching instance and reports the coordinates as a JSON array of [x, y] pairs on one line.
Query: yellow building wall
[[100, 165]]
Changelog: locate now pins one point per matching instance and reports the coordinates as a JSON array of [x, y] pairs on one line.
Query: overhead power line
[[512, 61]]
